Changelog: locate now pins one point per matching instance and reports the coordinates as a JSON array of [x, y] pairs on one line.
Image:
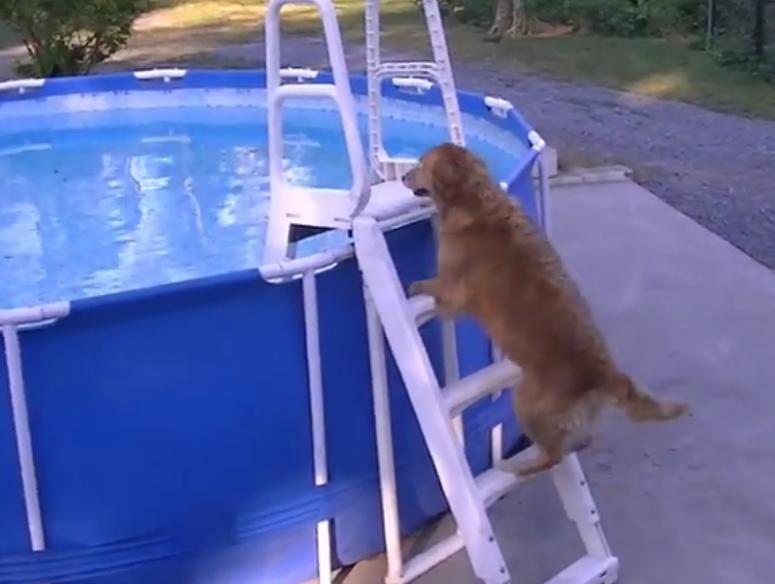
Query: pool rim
[[499, 112]]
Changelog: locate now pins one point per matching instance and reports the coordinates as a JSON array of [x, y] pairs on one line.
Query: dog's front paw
[[421, 287]]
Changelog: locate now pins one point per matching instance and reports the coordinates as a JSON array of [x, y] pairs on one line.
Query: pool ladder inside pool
[[414, 76]]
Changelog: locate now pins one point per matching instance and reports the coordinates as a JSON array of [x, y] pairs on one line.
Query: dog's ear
[[488, 197], [449, 168]]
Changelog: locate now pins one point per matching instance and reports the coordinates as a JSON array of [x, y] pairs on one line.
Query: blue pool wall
[[171, 426]]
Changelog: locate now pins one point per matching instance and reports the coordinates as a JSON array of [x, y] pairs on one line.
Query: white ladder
[[408, 75], [366, 210], [390, 310]]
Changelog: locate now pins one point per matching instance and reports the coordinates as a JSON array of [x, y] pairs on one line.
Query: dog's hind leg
[[544, 428], [547, 458]]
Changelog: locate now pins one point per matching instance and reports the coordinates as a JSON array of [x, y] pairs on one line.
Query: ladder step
[[492, 485], [589, 570], [586, 570], [493, 378], [432, 557], [425, 68], [423, 308], [495, 482]]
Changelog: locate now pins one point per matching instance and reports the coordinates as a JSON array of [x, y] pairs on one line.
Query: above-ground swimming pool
[[167, 397]]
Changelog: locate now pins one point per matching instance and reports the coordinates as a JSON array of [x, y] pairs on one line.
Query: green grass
[[655, 67], [660, 68], [8, 38], [237, 18]]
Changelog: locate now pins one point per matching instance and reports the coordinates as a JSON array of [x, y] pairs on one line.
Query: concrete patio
[[692, 501]]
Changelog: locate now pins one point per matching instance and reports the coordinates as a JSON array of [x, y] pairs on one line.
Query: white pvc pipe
[[417, 83], [299, 73], [317, 413], [498, 106], [165, 74], [341, 94], [449, 353], [35, 314], [496, 435], [359, 191], [451, 368], [433, 556], [539, 145], [21, 424], [319, 261], [543, 176], [299, 266], [384, 435], [21, 85]]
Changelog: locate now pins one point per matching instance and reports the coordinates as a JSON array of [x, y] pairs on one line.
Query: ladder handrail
[[340, 93], [439, 70], [359, 191]]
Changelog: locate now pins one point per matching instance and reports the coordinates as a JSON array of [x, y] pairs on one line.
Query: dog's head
[[451, 175]]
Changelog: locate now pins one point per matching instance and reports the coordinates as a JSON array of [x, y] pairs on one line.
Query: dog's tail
[[640, 406]]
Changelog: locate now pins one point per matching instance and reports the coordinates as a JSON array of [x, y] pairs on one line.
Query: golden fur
[[495, 265]]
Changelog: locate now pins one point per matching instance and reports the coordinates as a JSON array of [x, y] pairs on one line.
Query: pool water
[[106, 201]]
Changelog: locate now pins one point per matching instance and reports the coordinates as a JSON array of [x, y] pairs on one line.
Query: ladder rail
[[446, 78], [440, 70], [384, 436], [417, 372], [374, 83], [23, 436], [285, 200], [317, 416]]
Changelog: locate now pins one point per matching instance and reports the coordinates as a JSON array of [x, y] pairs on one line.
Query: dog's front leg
[[439, 292], [429, 287]]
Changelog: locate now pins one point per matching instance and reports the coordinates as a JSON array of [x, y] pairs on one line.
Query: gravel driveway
[[718, 169]]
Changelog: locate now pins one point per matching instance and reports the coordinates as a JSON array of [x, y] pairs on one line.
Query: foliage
[[734, 23], [68, 37], [607, 17]]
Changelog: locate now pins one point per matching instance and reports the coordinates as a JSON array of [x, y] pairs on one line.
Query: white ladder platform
[[390, 199]]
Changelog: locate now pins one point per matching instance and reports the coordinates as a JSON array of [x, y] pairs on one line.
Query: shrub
[[638, 17], [69, 37]]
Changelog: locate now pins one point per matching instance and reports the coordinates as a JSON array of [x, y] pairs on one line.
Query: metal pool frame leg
[[12, 322]]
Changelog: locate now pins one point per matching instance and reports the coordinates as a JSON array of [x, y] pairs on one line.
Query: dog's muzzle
[[417, 192]]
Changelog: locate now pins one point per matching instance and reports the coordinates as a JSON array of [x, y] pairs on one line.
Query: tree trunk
[[510, 19], [759, 34]]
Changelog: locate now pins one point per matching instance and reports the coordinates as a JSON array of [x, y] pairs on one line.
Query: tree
[[67, 37], [759, 33], [510, 18]]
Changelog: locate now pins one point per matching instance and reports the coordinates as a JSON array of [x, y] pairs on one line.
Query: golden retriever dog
[[496, 266]]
